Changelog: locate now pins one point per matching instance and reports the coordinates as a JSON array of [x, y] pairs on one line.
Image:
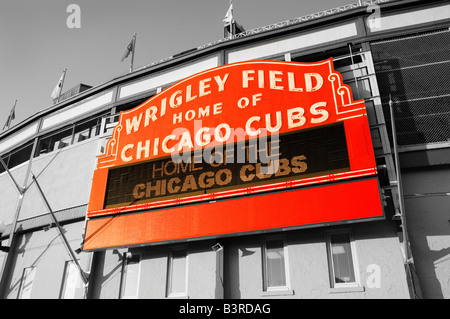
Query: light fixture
[[397, 215], [217, 247], [2, 230], [129, 255]]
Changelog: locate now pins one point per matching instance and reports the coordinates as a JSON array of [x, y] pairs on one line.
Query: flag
[[57, 90], [11, 116], [130, 48], [229, 16]]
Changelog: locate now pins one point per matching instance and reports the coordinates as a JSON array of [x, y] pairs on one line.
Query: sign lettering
[[288, 132]]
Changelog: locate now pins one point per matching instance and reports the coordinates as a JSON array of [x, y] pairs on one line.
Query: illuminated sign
[[301, 154], [232, 132]]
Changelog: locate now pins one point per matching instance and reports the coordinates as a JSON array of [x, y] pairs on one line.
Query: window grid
[[177, 273], [131, 276], [275, 265], [72, 284], [26, 283], [342, 260]]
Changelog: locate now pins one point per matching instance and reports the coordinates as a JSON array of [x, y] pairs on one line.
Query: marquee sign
[[231, 133]]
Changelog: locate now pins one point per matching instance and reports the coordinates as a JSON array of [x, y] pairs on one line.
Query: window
[[341, 56], [341, 260], [20, 155], [134, 103], [87, 129], [26, 283], [177, 274], [109, 123], [274, 265], [347, 61], [72, 284], [54, 141], [5, 159], [69, 135], [17, 156], [131, 273]]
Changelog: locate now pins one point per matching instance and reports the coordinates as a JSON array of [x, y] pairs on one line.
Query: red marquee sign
[[189, 162]]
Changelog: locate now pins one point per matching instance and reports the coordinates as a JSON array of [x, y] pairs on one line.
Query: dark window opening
[[132, 105], [17, 157], [88, 128], [335, 54], [54, 141]]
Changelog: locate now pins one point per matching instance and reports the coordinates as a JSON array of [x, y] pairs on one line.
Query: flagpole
[[132, 52], [62, 83], [232, 20]]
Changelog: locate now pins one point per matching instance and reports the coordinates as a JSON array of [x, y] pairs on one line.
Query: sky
[[37, 44]]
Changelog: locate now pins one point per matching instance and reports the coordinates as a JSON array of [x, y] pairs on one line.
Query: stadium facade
[[95, 205]]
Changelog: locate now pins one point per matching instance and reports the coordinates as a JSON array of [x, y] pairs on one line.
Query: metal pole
[[21, 190], [232, 21], [399, 179], [353, 63], [408, 258], [69, 249]]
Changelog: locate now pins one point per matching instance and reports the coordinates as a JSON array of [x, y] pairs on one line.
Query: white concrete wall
[[375, 242], [202, 276], [46, 251], [9, 193], [65, 178], [427, 206]]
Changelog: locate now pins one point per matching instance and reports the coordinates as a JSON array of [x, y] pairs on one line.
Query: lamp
[[217, 247], [2, 230]]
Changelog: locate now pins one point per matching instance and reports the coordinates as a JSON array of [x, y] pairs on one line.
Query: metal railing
[[283, 24]]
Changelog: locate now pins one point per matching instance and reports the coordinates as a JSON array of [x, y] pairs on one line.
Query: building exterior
[[391, 240]]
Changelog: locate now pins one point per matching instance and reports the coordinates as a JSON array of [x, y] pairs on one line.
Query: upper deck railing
[[283, 24]]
